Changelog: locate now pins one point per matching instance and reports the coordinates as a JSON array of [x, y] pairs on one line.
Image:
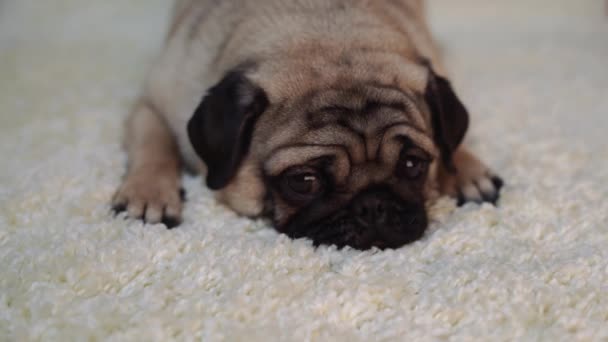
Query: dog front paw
[[151, 197], [472, 181], [479, 189]]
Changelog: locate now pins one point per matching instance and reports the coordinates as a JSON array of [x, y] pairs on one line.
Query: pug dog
[[333, 118]]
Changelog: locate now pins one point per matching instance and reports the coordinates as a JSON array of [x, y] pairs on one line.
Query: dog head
[[343, 153]]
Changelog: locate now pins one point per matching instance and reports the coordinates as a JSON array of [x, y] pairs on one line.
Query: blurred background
[[61, 47]]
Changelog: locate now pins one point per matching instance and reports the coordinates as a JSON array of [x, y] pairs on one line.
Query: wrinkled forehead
[[353, 125]]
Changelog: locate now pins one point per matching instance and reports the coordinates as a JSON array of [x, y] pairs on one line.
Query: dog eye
[[412, 166], [301, 184]]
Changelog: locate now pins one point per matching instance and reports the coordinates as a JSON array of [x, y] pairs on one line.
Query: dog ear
[[449, 116], [222, 126]]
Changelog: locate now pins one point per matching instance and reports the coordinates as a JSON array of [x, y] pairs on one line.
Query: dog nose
[[371, 210]]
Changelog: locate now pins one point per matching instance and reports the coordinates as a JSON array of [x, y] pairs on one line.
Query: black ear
[[449, 116], [221, 128]]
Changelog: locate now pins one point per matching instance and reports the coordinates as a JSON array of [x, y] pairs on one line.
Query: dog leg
[[151, 188], [473, 181]]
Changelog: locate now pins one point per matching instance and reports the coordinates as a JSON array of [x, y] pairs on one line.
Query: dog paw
[[485, 188], [151, 198], [472, 181]]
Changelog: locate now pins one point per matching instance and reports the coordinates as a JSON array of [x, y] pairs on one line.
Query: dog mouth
[[375, 217], [401, 225], [348, 231]]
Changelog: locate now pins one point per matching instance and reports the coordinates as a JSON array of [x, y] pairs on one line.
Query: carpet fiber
[[535, 77]]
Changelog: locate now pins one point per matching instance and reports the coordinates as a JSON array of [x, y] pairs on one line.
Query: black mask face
[[375, 217]]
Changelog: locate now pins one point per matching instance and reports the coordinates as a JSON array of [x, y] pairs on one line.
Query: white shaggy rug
[[533, 73]]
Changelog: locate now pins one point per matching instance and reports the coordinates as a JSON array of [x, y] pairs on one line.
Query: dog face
[[340, 157]]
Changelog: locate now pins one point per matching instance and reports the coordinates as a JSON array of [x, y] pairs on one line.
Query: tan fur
[[151, 187], [302, 50]]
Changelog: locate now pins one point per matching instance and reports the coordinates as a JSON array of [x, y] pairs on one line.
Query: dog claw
[[171, 222], [498, 183], [117, 209]]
